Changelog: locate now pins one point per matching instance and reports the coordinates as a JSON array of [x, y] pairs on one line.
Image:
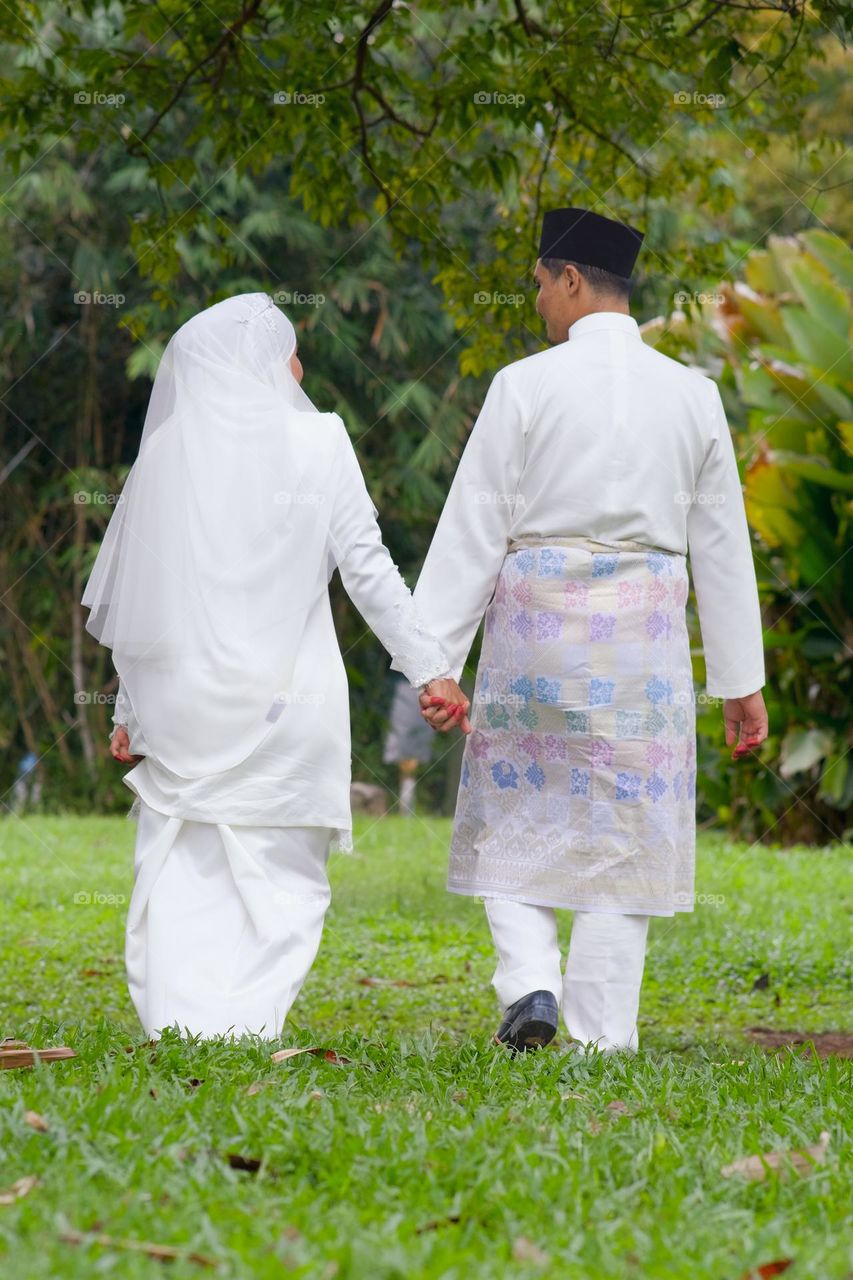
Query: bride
[[211, 589]]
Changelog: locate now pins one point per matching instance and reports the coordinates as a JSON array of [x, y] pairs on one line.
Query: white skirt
[[224, 923]]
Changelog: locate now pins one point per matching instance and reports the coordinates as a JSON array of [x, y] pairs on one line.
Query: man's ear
[[571, 278]]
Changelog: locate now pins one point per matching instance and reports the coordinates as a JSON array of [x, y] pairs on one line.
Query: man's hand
[[443, 705], [120, 746], [746, 722]]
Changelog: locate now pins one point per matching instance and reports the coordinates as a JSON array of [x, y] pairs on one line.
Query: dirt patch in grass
[[826, 1043]]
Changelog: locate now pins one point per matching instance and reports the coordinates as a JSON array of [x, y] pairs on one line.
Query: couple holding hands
[[594, 468]]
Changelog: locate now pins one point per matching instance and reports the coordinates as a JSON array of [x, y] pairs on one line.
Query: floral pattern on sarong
[[579, 777]]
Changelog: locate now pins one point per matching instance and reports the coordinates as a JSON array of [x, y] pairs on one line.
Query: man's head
[[569, 290], [585, 264]]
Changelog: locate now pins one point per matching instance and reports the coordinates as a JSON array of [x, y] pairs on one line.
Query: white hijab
[[217, 548]]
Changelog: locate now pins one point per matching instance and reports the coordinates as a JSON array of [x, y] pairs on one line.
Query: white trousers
[[600, 991], [224, 923]]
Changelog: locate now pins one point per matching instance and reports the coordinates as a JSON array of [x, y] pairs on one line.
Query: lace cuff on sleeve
[[413, 649], [121, 710]]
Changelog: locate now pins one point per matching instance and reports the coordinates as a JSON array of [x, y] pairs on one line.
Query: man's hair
[[597, 278]]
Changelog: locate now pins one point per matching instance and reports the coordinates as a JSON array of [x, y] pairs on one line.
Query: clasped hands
[[444, 706]]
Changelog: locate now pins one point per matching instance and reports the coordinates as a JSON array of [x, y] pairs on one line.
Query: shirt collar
[[600, 320]]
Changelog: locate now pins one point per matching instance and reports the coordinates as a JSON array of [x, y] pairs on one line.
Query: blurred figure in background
[[408, 742]]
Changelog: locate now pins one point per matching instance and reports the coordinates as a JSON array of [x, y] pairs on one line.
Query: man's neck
[[617, 305]]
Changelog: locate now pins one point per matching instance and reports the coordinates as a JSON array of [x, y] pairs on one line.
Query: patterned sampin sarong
[[578, 778]]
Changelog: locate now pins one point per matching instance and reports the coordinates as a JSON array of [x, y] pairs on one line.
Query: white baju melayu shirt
[[592, 471], [601, 437]]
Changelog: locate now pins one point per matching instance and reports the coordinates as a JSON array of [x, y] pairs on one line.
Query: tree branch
[[249, 11]]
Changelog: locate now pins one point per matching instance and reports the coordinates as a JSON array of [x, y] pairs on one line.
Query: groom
[[592, 470]]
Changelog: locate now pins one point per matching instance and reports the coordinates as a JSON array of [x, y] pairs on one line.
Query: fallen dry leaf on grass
[[436, 1224], [19, 1189], [768, 1269], [524, 1250], [439, 980], [329, 1055], [249, 1164], [618, 1106], [756, 1167], [386, 982], [35, 1121], [21, 1055], [257, 1085], [162, 1252]]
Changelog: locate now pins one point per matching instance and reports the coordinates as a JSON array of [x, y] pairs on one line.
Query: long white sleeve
[[723, 570], [373, 582], [122, 710], [123, 714], [470, 541]]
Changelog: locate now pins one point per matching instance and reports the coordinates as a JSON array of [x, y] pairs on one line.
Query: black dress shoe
[[530, 1023]]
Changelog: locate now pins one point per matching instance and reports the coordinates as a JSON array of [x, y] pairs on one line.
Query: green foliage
[[404, 199], [375, 347], [453, 125], [784, 335]]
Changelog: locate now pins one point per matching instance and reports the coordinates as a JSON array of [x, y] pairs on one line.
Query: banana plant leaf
[[833, 252], [828, 348]]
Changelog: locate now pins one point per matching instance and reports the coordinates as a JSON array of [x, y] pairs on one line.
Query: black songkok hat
[[579, 235]]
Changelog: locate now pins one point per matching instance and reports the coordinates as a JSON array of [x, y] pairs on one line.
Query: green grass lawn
[[431, 1153]]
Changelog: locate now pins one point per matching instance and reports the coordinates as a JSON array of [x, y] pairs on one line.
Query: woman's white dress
[[230, 888]]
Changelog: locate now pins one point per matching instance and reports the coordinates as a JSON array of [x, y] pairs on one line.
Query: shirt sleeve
[[723, 570], [470, 541], [122, 708], [124, 716], [372, 580]]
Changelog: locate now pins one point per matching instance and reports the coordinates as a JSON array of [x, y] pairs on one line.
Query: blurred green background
[[381, 169]]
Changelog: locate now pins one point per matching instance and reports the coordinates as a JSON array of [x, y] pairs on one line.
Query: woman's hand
[[443, 705], [746, 722], [120, 746]]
